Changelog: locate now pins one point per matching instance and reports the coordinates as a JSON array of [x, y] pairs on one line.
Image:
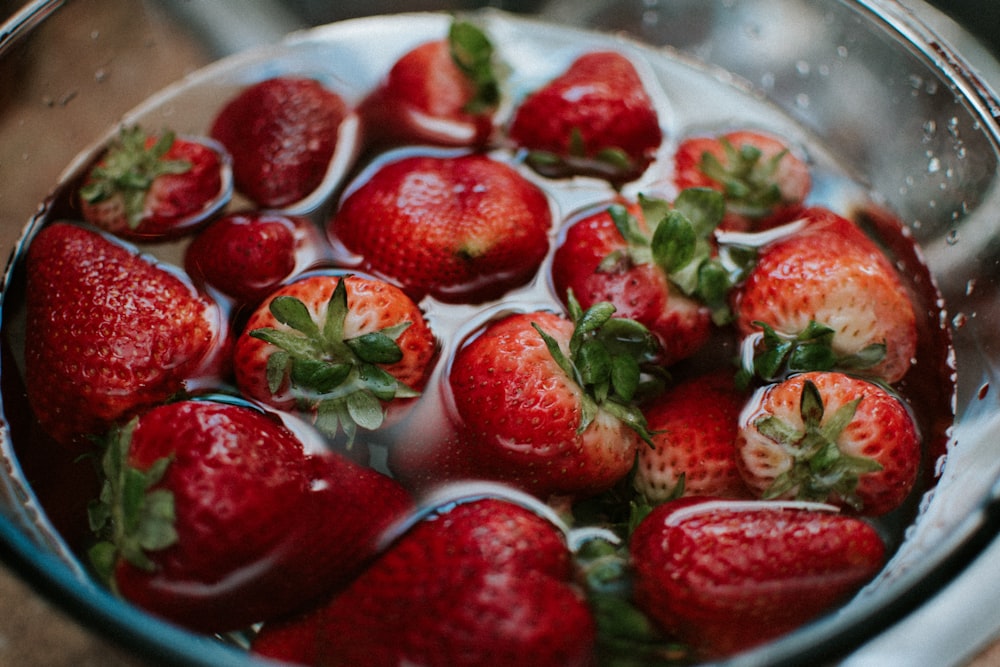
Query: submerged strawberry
[[725, 576], [216, 516], [109, 333], [155, 187]]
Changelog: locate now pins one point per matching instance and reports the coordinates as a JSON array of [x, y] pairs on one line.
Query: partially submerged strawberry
[[215, 516], [156, 187], [109, 333], [725, 576]]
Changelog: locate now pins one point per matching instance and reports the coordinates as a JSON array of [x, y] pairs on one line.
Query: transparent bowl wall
[[895, 104]]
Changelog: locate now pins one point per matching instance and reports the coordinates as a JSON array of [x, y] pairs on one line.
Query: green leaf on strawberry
[[472, 52], [339, 378], [747, 179], [130, 516], [819, 468]]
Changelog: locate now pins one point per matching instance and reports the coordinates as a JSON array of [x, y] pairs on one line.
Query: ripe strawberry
[[832, 299], [109, 333], [442, 92], [483, 582], [654, 261], [694, 426], [149, 187], [216, 515], [829, 437], [596, 118], [763, 181], [247, 255], [547, 404], [282, 134], [345, 350], [725, 576], [462, 229]]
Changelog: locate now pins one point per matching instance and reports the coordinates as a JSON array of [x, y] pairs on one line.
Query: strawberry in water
[[594, 118], [346, 350], [694, 425], [480, 582], [282, 134], [655, 261], [548, 403], [156, 187], [822, 297], [247, 255], [463, 229], [443, 92], [109, 333], [830, 437], [724, 576], [217, 515], [763, 181]]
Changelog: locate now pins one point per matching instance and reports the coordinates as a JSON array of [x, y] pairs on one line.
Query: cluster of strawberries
[[237, 402]]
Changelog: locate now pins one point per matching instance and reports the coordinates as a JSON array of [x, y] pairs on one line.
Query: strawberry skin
[[442, 92], [694, 426], [281, 133], [257, 527], [830, 437], [596, 117], [485, 582], [463, 229], [156, 188], [247, 255], [725, 576], [831, 273], [108, 333]]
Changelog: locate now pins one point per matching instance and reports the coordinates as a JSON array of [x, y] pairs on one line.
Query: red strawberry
[[148, 187], [343, 349], [483, 582], [725, 576], [832, 298], [763, 181], [694, 427], [462, 229], [442, 92], [650, 260], [217, 515], [282, 134], [596, 117], [548, 404], [247, 255], [830, 437], [108, 332]]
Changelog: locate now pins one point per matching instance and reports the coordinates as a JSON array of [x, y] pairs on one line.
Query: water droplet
[[916, 81], [970, 287], [952, 237], [959, 320], [802, 67], [933, 165], [802, 101], [983, 390], [841, 51]]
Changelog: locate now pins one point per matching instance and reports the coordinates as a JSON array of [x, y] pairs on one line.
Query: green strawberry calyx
[[339, 379], [610, 162], [613, 360], [680, 242], [819, 468], [129, 168], [131, 516], [472, 52], [748, 180]]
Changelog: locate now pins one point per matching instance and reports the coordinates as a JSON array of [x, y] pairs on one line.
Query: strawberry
[[345, 350], [830, 437], [825, 296], [655, 262], [594, 118], [217, 515], [694, 426], [724, 576], [155, 187], [547, 403], [478, 582], [763, 181], [442, 92], [109, 332], [462, 229], [246, 255], [282, 133]]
